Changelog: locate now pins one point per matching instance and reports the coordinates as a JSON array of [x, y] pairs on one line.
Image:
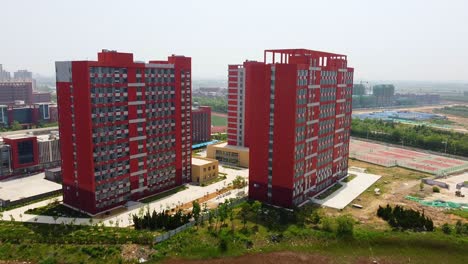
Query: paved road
[[124, 218]]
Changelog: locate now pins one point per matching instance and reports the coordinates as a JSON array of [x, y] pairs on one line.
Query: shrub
[[345, 226], [459, 227], [327, 224], [436, 189], [315, 219], [404, 219], [446, 229], [223, 244], [49, 260]]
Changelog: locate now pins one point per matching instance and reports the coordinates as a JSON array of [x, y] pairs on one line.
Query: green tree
[[256, 208], [15, 125], [196, 209], [238, 182], [244, 212]]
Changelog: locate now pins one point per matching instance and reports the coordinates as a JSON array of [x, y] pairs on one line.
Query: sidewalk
[[124, 219]]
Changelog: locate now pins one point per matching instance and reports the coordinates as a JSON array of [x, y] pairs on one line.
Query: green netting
[[439, 203]]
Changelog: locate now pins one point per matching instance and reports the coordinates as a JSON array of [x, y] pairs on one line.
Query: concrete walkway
[[349, 191], [124, 218]]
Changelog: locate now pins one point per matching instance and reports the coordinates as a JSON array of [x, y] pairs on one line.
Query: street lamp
[[445, 142]]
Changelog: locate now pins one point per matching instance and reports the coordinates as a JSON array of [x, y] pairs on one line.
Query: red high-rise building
[[201, 124], [298, 112], [125, 128], [237, 104]]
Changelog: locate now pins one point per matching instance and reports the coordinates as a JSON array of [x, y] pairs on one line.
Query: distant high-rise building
[[4, 75], [201, 124], [298, 116], [384, 94], [125, 128], [22, 75]]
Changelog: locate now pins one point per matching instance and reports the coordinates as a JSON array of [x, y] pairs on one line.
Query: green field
[[218, 121]]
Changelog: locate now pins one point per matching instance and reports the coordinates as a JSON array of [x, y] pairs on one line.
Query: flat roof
[[200, 162], [34, 130], [17, 188], [19, 136], [225, 145]]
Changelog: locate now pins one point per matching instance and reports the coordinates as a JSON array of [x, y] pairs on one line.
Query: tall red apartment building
[[239, 99], [125, 128], [201, 124], [295, 111]]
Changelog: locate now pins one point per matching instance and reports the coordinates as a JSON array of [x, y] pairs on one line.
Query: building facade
[[229, 154], [201, 124], [301, 109], [21, 154], [125, 128], [204, 170], [14, 92], [41, 97], [237, 103], [27, 115]]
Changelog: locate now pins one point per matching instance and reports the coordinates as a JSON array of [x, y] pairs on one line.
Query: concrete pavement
[[124, 218], [349, 191]]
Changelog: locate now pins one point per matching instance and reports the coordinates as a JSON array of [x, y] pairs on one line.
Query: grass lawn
[[260, 238], [218, 121], [17, 233], [163, 194], [262, 232], [217, 179], [43, 243], [57, 209], [349, 178]]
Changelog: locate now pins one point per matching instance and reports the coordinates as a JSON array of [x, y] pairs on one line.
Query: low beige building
[[231, 155], [204, 169]]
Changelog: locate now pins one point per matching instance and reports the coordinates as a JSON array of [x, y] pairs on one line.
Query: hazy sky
[[397, 39]]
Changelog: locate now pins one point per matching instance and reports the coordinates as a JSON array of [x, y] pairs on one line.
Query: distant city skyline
[[393, 40]]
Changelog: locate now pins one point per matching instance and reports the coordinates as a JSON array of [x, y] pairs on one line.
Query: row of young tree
[[161, 220], [423, 137], [405, 219]]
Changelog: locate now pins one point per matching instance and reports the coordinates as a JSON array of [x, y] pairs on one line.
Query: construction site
[[434, 184]]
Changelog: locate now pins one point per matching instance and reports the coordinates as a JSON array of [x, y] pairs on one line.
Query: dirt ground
[[132, 252], [394, 185], [286, 257]]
